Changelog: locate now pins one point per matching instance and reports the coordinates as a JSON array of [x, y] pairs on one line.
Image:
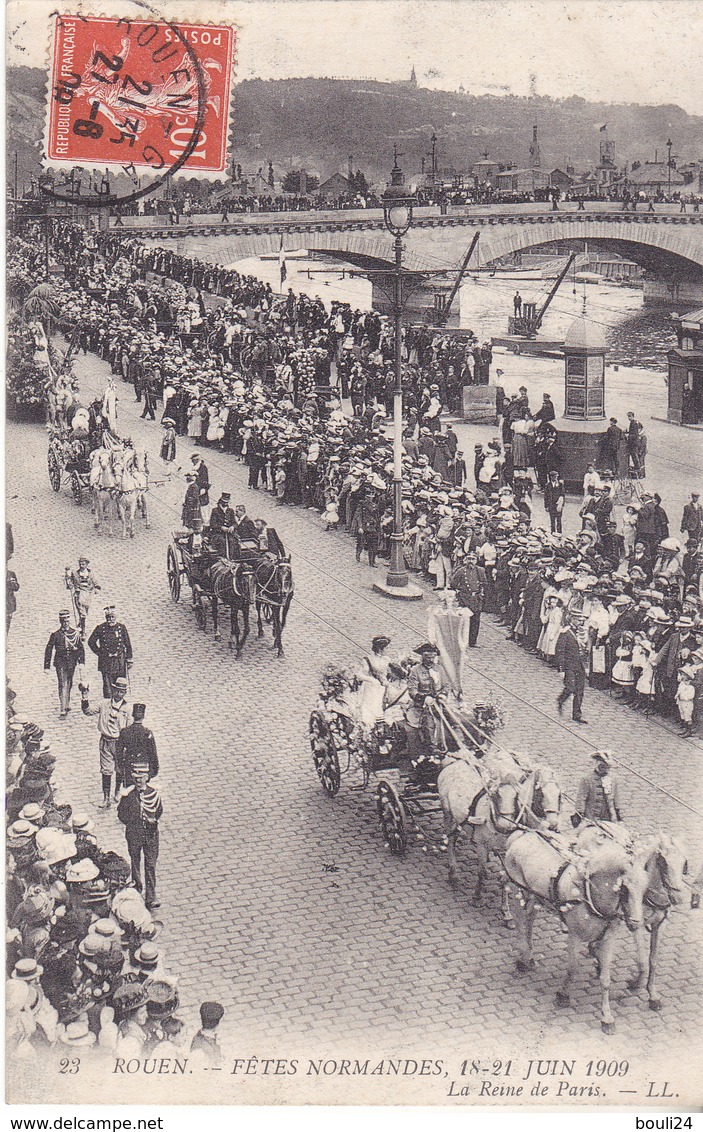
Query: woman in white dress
[[642, 657], [110, 405], [374, 681]]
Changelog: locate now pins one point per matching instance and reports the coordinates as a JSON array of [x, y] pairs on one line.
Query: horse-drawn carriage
[[247, 578], [68, 461], [404, 771], [106, 469], [593, 879]]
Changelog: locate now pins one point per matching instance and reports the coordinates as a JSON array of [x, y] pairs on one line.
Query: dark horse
[[232, 583], [273, 595]]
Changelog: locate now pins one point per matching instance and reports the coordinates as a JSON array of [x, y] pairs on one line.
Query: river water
[[637, 336]]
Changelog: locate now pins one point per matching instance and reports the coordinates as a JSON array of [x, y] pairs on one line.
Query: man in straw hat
[[82, 584], [113, 718], [570, 661]]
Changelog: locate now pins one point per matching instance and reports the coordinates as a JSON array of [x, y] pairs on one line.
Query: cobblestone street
[[277, 901]]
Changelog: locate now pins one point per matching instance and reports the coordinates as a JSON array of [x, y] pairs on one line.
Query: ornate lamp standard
[[669, 145], [398, 206]]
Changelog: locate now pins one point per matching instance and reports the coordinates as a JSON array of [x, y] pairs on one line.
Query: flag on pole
[[603, 128], [282, 263]]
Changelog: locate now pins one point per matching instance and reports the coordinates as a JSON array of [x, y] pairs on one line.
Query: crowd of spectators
[[262, 393], [86, 972]]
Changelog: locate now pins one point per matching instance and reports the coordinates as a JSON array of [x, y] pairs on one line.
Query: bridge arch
[[667, 245], [663, 248]]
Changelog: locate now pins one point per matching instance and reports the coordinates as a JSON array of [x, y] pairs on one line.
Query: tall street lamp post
[[398, 206], [669, 144]]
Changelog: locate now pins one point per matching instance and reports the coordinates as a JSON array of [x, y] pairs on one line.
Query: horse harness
[[563, 906]]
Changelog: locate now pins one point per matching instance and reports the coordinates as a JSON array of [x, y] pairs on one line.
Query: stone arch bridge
[[668, 245]]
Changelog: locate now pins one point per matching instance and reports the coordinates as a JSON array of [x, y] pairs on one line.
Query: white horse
[[592, 889], [102, 481], [493, 796], [125, 489], [666, 867], [140, 472]]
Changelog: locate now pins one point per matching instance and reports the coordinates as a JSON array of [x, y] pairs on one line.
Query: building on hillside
[[335, 186], [685, 385], [656, 177], [558, 179], [486, 172], [522, 180]]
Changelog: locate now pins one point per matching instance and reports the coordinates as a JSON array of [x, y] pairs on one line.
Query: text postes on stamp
[[144, 95]]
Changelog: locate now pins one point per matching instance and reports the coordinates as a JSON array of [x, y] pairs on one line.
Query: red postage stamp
[[141, 94]]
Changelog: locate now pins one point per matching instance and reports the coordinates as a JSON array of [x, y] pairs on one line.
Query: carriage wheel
[[76, 488], [391, 815], [54, 471], [173, 574], [324, 754]]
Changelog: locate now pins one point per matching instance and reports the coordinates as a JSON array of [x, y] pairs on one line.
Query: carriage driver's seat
[[247, 549]]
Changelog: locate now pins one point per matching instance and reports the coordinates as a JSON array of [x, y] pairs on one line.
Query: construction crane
[[528, 322], [443, 304]]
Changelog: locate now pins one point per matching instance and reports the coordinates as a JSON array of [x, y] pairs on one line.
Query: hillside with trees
[[316, 124]]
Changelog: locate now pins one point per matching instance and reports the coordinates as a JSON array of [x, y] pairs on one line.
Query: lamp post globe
[[398, 206]]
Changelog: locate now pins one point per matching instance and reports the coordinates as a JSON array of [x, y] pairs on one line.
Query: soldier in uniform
[[222, 524], [469, 581], [136, 744], [66, 647], [190, 510], [82, 584], [140, 809], [111, 644]]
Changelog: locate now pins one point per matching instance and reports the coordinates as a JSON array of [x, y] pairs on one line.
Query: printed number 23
[[69, 1065]]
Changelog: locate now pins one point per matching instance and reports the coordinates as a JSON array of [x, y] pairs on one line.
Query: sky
[[646, 51]]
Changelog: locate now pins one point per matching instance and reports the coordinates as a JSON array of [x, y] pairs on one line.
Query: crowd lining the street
[[242, 377], [86, 972]]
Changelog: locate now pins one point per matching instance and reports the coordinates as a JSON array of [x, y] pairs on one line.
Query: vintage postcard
[[354, 552]]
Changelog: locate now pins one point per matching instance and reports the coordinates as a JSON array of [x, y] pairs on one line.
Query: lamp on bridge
[[582, 428], [398, 204]]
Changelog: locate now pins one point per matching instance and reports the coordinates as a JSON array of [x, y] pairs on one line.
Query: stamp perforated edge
[[80, 8]]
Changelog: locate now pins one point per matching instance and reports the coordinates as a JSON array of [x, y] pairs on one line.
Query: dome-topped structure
[[585, 335], [582, 427]]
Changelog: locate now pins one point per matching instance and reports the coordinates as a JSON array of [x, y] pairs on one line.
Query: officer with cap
[[136, 744], [111, 644], [66, 648], [222, 524], [191, 504]]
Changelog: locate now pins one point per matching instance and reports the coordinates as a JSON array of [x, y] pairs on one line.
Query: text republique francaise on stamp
[[143, 96]]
